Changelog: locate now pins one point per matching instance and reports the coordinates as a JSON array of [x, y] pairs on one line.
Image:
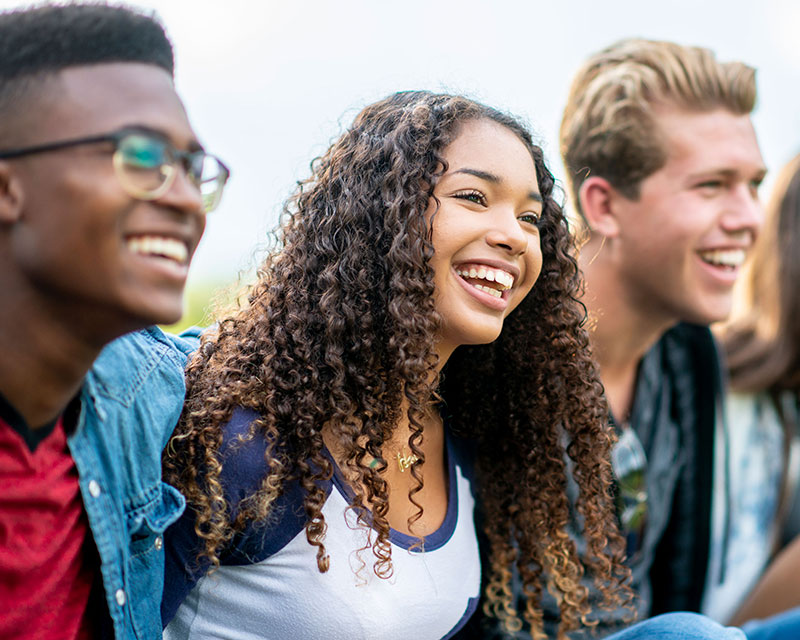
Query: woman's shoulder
[[242, 455], [245, 465]]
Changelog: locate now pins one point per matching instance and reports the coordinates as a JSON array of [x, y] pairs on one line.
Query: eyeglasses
[[629, 463], [146, 164]]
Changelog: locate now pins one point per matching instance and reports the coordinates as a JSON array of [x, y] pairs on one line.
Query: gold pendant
[[404, 462]]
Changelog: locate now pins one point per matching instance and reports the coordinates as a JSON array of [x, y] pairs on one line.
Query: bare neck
[[622, 329], [47, 351]]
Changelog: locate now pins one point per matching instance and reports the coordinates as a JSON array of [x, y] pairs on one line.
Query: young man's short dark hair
[[39, 42], [48, 39]]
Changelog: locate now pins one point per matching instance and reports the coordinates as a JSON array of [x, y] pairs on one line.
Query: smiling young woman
[[340, 427]]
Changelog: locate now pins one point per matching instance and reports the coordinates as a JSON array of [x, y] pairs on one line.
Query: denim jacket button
[[158, 543], [94, 488], [120, 596]]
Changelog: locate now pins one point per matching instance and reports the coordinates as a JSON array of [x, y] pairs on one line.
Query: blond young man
[[664, 169]]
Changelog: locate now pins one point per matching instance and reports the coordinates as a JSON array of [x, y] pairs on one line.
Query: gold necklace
[[403, 461]]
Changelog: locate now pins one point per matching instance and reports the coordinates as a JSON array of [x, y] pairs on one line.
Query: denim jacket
[[130, 402]]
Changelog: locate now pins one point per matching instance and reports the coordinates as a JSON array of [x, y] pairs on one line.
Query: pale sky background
[[269, 84]]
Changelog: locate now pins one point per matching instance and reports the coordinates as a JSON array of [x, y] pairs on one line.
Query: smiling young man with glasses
[[103, 194]]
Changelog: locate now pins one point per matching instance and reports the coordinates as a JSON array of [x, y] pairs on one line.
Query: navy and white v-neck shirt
[[269, 586]]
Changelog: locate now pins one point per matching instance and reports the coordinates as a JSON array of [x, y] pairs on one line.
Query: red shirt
[[48, 562]]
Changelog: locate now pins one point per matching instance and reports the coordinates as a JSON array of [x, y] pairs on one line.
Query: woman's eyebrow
[[494, 179], [478, 173]]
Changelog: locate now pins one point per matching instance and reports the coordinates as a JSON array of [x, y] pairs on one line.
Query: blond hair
[[609, 127]]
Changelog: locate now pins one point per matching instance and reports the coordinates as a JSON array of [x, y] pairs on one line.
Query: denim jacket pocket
[[146, 560]]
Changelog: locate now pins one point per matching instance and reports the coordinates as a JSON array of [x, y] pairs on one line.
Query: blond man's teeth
[[159, 246], [725, 257], [503, 278]]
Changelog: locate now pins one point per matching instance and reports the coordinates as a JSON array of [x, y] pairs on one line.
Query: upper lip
[[729, 247], [494, 264]]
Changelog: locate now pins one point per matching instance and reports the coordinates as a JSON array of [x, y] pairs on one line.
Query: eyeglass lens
[[144, 160]]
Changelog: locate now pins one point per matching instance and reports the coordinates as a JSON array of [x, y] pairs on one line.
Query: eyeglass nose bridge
[[177, 160], [187, 160], [194, 166]]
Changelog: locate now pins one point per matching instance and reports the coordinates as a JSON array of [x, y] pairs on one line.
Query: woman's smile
[[488, 284]]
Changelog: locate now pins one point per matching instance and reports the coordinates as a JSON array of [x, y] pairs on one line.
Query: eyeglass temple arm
[[53, 146]]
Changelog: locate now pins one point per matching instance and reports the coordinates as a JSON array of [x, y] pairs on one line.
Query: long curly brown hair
[[339, 330]]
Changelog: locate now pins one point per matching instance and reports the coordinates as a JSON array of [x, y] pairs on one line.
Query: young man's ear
[[10, 195], [597, 203]]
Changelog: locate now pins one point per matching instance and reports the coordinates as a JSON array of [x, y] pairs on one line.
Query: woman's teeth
[[492, 292], [159, 246], [501, 280], [724, 257], [498, 276]]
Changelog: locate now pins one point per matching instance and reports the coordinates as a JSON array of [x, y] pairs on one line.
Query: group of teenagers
[[432, 415]]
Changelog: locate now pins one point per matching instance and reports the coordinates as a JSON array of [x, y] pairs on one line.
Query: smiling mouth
[[492, 281], [159, 247], [728, 259]]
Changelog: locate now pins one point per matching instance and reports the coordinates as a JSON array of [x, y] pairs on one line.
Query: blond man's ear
[[597, 198]]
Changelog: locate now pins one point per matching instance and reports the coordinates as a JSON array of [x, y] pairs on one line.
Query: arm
[[778, 589]]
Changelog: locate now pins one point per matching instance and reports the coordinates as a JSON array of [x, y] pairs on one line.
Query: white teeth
[[489, 290], [725, 257], [503, 278], [159, 246]]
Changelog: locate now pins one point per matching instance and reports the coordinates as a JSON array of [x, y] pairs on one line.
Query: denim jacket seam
[[143, 501], [136, 377]]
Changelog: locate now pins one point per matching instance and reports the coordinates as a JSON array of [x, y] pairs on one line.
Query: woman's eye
[[531, 218], [473, 196]]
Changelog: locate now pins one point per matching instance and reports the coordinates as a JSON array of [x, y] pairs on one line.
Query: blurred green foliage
[[200, 300]]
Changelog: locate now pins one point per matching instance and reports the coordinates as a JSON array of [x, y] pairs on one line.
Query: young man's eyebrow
[[495, 179], [727, 173], [193, 145]]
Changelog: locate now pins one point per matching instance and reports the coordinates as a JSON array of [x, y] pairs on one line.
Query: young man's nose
[[744, 212], [183, 194]]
